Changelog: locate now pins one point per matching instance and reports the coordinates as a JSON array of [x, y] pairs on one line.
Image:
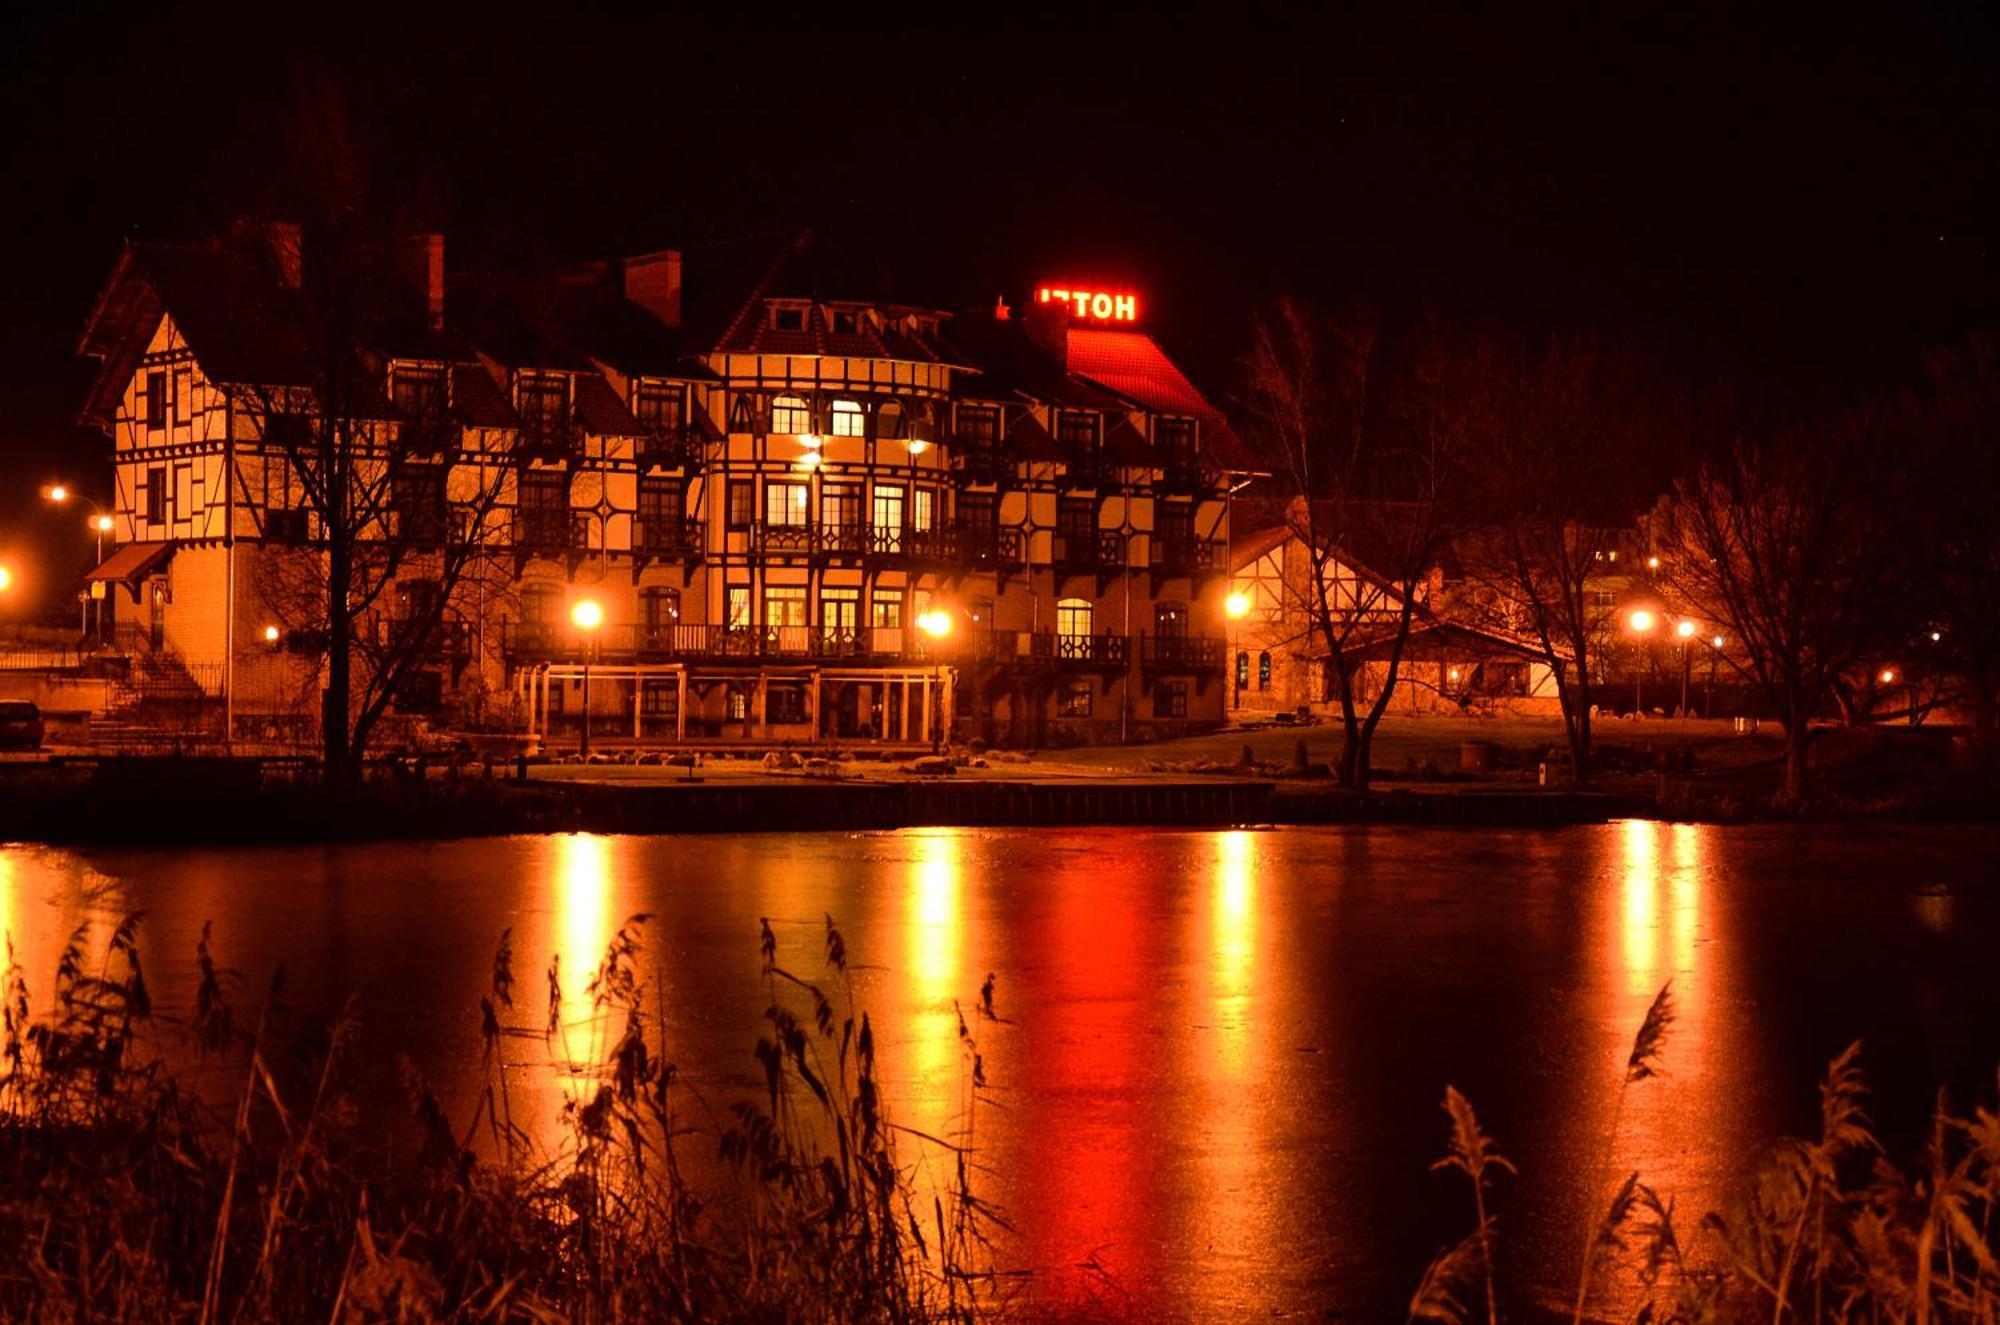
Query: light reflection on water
[[1216, 1076]]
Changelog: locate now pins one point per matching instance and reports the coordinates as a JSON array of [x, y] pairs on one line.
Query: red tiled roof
[[1132, 364], [600, 410]]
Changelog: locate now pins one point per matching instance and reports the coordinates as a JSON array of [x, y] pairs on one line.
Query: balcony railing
[[676, 448], [1049, 648], [846, 540], [672, 539], [1100, 549], [985, 547], [551, 642], [786, 539], [1182, 653], [450, 638], [548, 439], [1186, 555], [551, 533]]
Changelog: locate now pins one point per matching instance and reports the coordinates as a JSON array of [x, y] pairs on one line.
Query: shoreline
[[190, 801]]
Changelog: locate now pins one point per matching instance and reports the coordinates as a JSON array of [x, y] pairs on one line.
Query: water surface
[[1216, 1085]]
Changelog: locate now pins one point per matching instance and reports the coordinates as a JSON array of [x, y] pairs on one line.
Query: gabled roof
[[798, 268], [600, 411], [1132, 364]]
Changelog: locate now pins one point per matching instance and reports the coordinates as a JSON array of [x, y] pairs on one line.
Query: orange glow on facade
[[1091, 305]]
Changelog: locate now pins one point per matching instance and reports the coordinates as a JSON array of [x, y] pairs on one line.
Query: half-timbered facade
[[766, 477]]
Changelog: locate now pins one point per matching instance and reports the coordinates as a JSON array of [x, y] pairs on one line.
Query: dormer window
[[1077, 427], [789, 415], [978, 423], [848, 420], [788, 319], [659, 409], [846, 322], [418, 393]]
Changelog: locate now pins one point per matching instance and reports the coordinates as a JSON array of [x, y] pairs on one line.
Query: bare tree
[[1366, 460], [1561, 447], [1788, 540], [1959, 418]]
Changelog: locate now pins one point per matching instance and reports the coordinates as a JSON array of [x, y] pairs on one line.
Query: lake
[[1216, 1077]]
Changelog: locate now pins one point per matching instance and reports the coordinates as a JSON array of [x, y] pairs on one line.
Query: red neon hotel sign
[[1091, 305]]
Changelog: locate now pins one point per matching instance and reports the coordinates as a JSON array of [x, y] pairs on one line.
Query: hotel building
[[763, 474]]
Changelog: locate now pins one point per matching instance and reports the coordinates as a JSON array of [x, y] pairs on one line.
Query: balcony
[[1049, 648], [985, 547], [531, 642], [1182, 653], [785, 540], [450, 638], [675, 448], [550, 440], [983, 462], [551, 533], [670, 539], [428, 526], [1099, 551], [1181, 472], [1187, 555], [846, 540]]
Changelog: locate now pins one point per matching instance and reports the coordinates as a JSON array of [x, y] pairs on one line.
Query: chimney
[[1048, 326], [653, 281], [420, 257]]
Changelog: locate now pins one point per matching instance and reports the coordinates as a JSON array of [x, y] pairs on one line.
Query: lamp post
[[1684, 629], [936, 623], [1714, 655], [1235, 607], [1641, 622], [586, 615]]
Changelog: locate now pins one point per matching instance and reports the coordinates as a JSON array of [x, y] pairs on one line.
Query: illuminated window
[[789, 415], [1170, 620], [784, 605], [156, 400], [886, 612], [1073, 618], [923, 510], [848, 420], [739, 704], [1243, 669], [888, 508], [738, 607], [785, 504], [840, 506], [1074, 701], [1264, 671]]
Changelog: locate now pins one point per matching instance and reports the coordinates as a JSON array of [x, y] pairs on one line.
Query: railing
[[546, 439], [846, 540], [670, 538], [786, 539], [1182, 653], [551, 642], [984, 547], [1101, 549], [674, 449], [551, 532], [1050, 647], [451, 638], [1186, 556]]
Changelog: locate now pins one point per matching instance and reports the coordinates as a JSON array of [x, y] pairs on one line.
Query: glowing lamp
[[809, 441], [1236, 606], [271, 635], [1936, 635], [918, 446], [1888, 677], [102, 524], [1685, 630], [1717, 641], [1641, 621], [587, 614], [6, 579], [808, 462], [1454, 673], [58, 493], [1652, 563], [936, 623]]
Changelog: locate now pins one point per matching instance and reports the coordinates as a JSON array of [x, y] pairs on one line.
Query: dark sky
[[1797, 196]]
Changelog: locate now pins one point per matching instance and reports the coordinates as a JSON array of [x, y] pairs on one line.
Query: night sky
[[1804, 200]]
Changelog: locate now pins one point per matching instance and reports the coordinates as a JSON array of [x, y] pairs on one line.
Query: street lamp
[[1235, 607], [6, 579], [587, 614], [1641, 622], [1685, 629], [936, 623], [57, 493]]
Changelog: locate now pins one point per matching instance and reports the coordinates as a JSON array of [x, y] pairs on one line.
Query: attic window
[[788, 319], [846, 322]]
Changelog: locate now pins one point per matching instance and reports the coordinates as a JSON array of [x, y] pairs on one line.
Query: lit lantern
[[1641, 621], [1236, 606], [1685, 630]]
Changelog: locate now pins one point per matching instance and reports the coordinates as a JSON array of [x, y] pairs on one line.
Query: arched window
[[1073, 616], [889, 419], [1264, 670], [789, 415], [848, 420], [1243, 669]]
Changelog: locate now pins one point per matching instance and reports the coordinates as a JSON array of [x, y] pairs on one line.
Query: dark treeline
[[1839, 542]]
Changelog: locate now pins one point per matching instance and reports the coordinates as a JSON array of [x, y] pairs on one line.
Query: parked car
[[20, 725]]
